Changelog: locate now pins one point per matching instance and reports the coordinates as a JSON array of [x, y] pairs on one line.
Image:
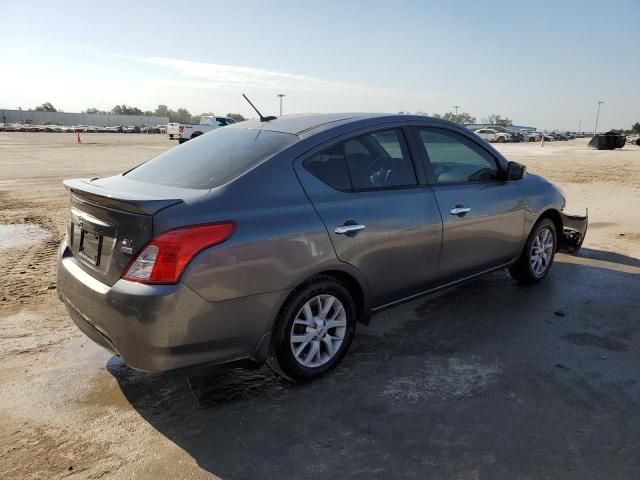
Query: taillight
[[165, 257]]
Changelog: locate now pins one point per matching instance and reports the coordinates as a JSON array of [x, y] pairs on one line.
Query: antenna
[[262, 119]]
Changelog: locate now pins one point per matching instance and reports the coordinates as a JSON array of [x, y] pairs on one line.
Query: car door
[[379, 217], [482, 214]]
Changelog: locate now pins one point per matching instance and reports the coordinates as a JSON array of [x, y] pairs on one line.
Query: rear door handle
[[459, 210], [342, 229]]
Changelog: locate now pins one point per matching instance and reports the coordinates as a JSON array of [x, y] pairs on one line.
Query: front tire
[[313, 331], [538, 254]]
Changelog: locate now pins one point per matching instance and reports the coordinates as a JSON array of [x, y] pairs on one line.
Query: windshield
[[212, 159]]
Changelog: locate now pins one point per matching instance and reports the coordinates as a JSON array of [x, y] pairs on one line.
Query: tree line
[[181, 115], [465, 118]]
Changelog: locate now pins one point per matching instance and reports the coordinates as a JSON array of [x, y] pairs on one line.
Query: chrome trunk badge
[[126, 246]]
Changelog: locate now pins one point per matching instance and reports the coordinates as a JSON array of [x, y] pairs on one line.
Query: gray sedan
[[269, 240]]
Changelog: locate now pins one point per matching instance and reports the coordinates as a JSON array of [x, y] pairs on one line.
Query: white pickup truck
[[185, 131]]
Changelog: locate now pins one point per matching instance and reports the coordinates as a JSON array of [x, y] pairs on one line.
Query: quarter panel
[[279, 239]]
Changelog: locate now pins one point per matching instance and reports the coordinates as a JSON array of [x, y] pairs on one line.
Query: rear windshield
[[212, 159]]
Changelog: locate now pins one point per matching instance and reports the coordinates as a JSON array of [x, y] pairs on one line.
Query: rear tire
[[304, 345], [538, 254]]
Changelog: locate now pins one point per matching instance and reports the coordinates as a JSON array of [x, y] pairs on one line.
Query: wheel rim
[[542, 252], [318, 331]]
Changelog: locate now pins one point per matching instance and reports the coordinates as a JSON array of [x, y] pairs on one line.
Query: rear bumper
[[574, 229], [165, 327]]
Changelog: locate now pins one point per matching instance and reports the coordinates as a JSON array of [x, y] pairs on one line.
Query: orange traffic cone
[[78, 136]]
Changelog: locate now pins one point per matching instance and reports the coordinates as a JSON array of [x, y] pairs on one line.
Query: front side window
[[455, 159], [373, 161], [221, 121]]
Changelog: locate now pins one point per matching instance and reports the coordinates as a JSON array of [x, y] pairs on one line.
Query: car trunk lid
[[111, 219]]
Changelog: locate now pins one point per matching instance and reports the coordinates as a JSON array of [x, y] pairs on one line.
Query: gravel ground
[[487, 380]]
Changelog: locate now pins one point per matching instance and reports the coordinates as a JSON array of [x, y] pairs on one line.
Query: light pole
[[281, 95], [456, 107], [595, 129]]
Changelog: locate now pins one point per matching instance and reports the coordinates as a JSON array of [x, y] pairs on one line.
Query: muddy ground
[[487, 380]]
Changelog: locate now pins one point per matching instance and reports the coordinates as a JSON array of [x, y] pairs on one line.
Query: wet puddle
[[21, 235]]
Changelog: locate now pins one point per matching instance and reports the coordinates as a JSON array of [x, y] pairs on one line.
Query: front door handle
[[459, 211], [342, 229]]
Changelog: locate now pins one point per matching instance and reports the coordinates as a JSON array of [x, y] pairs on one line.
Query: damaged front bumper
[[574, 229]]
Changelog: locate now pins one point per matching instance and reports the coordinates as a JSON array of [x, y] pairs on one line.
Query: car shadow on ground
[[487, 380], [609, 257]]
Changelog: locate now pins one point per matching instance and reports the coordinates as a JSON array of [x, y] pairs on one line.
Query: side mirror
[[515, 171]]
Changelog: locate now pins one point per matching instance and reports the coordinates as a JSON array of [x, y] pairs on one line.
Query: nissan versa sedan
[[268, 240]]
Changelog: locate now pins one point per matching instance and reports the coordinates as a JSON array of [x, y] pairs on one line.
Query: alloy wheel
[[542, 252], [318, 330]]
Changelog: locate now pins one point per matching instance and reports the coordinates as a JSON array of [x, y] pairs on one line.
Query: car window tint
[[221, 122], [212, 159], [455, 159], [330, 167], [379, 160], [372, 161]]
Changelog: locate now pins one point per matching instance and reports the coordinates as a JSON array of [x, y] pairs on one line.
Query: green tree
[[635, 128], [236, 116], [162, 111], [495, 119], [125, 110], [95, 110], [182, 116], [461, 118], [46, 107]]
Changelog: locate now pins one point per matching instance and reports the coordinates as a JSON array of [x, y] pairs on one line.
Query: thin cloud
[[212, 75]]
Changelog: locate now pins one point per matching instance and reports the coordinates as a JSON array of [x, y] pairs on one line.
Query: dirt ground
[[487, 380]]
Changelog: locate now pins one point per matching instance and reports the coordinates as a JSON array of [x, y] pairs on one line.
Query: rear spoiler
[[85, 191]]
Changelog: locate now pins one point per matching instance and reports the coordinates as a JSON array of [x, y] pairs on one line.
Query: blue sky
[[541, 63]]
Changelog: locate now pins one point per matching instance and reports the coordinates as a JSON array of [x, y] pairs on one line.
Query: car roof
[[303, 124]]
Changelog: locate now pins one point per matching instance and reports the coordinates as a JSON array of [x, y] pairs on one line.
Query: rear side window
[[212, 159], [330, 167], [373, 161]]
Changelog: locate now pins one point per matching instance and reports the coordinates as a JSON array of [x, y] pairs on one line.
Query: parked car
[[560, 136], [184, 132], [548, 137], [269, 240], [531, 136], [491, 135], [131, 129], [633, 140], [516, 136]]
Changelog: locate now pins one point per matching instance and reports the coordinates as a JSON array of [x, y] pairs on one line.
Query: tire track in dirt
[[27, 271], [40, 451]]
